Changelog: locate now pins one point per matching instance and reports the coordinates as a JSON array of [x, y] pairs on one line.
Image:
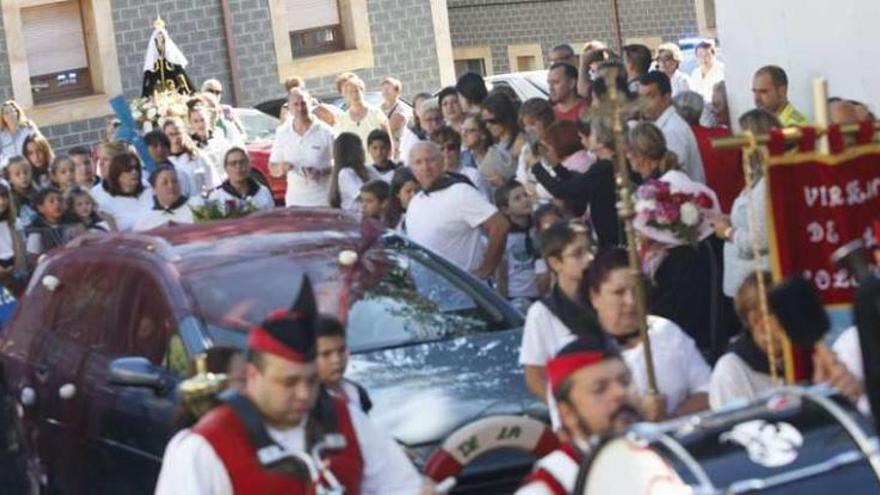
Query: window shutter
[[53, 37], [310, 14]]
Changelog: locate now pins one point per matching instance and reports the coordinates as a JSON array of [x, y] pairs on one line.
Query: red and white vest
[[228, 436], [556, 472]]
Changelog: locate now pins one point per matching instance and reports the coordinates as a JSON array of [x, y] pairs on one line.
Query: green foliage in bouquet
[[214, 210]]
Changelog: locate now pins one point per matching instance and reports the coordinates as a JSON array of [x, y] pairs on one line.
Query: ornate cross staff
[[613, 109]]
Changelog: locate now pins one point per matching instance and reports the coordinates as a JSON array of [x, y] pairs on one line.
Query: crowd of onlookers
[[521, 194]]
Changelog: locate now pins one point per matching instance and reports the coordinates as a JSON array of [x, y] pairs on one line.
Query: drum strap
[[562, 467]]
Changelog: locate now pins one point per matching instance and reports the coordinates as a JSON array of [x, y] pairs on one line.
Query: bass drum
[[795, 440]]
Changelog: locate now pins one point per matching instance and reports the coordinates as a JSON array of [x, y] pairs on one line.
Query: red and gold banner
[[819, 202]]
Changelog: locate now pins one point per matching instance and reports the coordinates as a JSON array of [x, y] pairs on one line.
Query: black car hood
[[422, 393]]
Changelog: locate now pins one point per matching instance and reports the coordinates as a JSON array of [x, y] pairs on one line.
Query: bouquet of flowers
[[674, 217], [149, 112], [215, 210]]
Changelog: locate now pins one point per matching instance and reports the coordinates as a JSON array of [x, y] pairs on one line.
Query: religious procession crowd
[[521, 194]]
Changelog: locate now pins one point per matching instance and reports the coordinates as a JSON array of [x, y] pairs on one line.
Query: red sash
[[348, 464], [557, 471]]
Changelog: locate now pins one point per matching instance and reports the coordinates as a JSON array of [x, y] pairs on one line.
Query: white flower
[[347, 257], [643, 205], [148, 126], [690, 215], [152, 113], [137, 115]]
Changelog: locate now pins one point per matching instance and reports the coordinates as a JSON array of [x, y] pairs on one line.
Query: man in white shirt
[[449, 216], [657, 93], [709, 72], [303, 151], [255, 439]]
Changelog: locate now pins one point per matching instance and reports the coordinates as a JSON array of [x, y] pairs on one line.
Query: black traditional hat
[[800, 311], [289, 334]]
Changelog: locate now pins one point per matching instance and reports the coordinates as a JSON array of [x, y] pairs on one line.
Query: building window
[[526, 57], [315, 38], [62, 56], [314, 27], [706, 21], [709, 5], [56, 51], [477, 65]]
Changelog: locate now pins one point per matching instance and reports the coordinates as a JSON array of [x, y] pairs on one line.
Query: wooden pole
[[615, 27]]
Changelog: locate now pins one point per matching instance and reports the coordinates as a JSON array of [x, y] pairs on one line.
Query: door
[[136, 422], [76, 311]]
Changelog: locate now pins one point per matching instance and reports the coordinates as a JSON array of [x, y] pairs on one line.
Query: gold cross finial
[[159, 24]]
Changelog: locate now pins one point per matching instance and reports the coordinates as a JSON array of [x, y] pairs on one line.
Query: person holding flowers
[[680, 255]]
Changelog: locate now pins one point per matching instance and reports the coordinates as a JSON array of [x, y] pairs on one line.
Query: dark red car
[[108, 326]]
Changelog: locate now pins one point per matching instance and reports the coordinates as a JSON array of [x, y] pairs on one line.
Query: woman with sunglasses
[[501, 117]]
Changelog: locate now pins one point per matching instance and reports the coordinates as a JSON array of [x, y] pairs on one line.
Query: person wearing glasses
[[669, 59], [226, 119], [240, 189]]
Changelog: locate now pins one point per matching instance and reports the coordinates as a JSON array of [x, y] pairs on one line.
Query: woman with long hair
[[501, 118], [403, 187], [40, 155], [349, 174], [15, 128]]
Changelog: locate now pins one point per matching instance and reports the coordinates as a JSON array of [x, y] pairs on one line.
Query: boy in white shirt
[[332, 360], [516, 275]]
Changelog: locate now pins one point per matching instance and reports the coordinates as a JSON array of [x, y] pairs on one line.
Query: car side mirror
[[137, 372]]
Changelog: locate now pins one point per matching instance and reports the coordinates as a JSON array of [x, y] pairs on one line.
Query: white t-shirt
[[372, 120], [262, 200], [679, 367], [312, 150], [681, 141], [544, 335], [521, 276], [190, 465], [525, 177], [705, 84], [126, 210], [407, 141], [155, 218], [350, 185], [448, 222], [733, 379], [200, 174]]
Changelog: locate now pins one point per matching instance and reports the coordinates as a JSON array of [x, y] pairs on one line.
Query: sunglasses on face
[[215, 92]]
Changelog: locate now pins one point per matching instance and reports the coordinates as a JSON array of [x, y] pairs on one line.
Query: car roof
[[200, 246]]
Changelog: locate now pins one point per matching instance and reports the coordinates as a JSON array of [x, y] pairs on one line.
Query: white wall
[[835, 39]]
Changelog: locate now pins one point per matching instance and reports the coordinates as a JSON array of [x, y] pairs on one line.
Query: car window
[[258, 125], [409, 300], [146, 323], [397, 294]]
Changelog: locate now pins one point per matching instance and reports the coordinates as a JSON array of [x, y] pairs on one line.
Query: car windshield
[[398, 294], [258, 125]]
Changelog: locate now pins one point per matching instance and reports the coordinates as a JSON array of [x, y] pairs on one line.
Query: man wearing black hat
[[593, 389], [257, 442]]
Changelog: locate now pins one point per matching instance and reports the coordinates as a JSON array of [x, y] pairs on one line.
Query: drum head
[[623, 465]]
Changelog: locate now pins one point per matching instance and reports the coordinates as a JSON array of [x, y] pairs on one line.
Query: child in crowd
[[83, 168], [38, 152], [332, 360], [543, 217], [22, 190], [517, 280], [403, 187], [82, 211], [61, 173], [374, 199], [379, 145], [561, 316], [349, 173], [7, 239], [47, 231]]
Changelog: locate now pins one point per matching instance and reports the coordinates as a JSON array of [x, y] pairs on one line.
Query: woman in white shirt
[[15, 128], [185, 156], [212, 144], [360, 118], [302, 152], [240, 188], [127, 199], [739, 254], [350, 173], [681, 372], [169, 205]]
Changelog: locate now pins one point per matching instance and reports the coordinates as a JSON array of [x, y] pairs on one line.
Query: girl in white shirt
[[349, 174], [8, 239], [240, 188], [82, 211]]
